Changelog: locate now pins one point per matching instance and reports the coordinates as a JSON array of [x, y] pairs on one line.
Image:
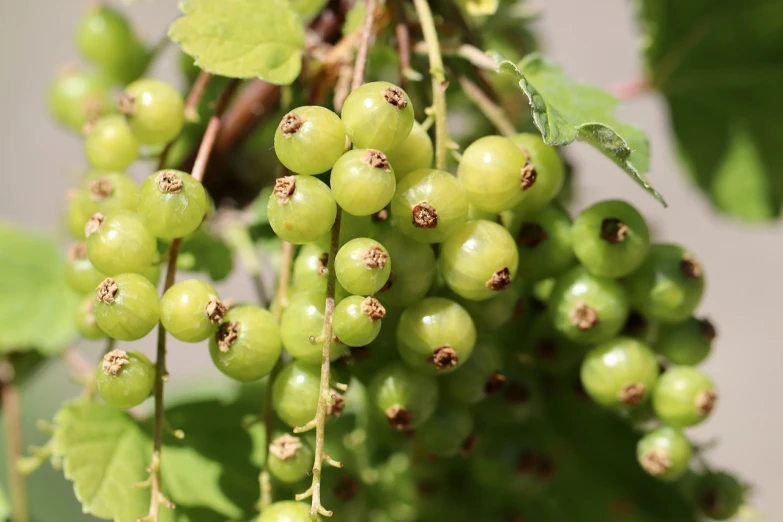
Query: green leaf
[[242, 38], [565, 110], [104, 453], [719, 65], [480, 7], [203, 252], [36, 305]]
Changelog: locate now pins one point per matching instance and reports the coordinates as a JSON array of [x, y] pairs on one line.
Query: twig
[[13, 441], [631, 89], [197, 91], [403, 44], [439, 84], [199, 167], [364, 44], [489, 108]]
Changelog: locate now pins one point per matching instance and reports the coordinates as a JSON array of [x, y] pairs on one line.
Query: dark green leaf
[[565, 110], [719, 64], [36, 305], [203, 252]]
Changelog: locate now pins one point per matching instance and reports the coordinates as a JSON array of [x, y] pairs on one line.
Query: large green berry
[[378, 115], [301, 209], [118, 243], [286, 511], [127, 307], [155, 111], [479, 260], [414, 153], [76, 98], [191, 310], [309, 140], [687, 343], [104, 36], [295, 392], [684, 396], [495, 173], [413, 272], [125, 379], [301, 325], [545, 242], [429, 205], [172, 204], [247, 344], [362, 266], [110, 144], [664, 453], [290, 458], [357, 320], [407, 399], [544, 174], [362, 181]]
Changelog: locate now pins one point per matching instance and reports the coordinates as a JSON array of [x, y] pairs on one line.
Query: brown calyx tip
[[546, 349], [380, 216], [444, 357], [690, 267], [708, 501], [584, 316], [77, 250], [425, 216], [708, 329], [527, 176], [101, 189], [291, 123], [396, 97], [94, 223], [373, 308], [469, 446], [517, 393], [705, 402], [389, 283], [107, 290], [215, 309], [169, 182], [285, 447], [632, 394], [335, 405], [399, 418], [226, 335], [284, 188], [345, 488], [531, 235], [376, 159], [527, 462], [613, 230], [375, 257], [500, 280], [127, 104], [656, 462], [114, 361], [494, 384], [323, 262]]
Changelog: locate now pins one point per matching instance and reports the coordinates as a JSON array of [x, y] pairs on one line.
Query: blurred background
[[594, 41]]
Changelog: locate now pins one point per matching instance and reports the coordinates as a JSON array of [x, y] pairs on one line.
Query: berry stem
[[403, 44], [13, 440], [364, 45], [489, 108], [199, 167], [197, 91]]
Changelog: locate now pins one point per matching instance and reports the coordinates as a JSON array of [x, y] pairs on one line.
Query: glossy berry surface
[[547, 175], [362, 181], [125, 379], [435, 335], [301, 325], [172, 204], [429, 205], [684, 397], [310, 269], [104, 36], [357, 320], [545, 242], [448, 431], [586, 308], [687, 343], [295, 392], [664, 453], [405, 398], [378, 115], [610, 238], [494, 174], [84, 317], [362, 266], [620, 373], [669, 285], [290, 458], [110, 144], [127, 307], [80, 275], [286, 511], [247, 343], [155, 111], [415, 153], [479, 260], [309, 140], [118, 243], [191, 310], [76, 98], [102, 193], [301, 209], [413, 272]]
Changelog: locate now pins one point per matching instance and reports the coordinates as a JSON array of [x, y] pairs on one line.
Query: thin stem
[[438, 82], [364, 44], [239, 241], [197, 91], [403, 44], [281, 297], [489, 108], [631, 89], [199, 167], [13, 441]]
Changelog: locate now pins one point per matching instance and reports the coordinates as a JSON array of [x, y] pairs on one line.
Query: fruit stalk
[[438, 82], [13, 440], [494, 113]]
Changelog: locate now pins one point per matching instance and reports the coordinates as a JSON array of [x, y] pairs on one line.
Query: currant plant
[[434, 334]]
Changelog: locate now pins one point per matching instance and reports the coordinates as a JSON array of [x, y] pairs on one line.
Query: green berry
[[362, 181], [495, 173], [172, 204], [309, 140], [80, 275], [191, 310], [544, 239], [544, 174], [664, 453], [295, 392], [362, 266], [301, 209], [110, 144], [357, 320], [127, 307], [413, 272], [310, 271], [479, 377], [492, 313], [378, 115], [719, 495], [155, 111], [247, 344], [286, 511], [301, 325], [125, 379], [76, 98], [118, 243], [407, 399], [684, 397], [84, 317], [104, 36], [448, 431], [687, 343], [414, 153], [429, 205], [290, 458]]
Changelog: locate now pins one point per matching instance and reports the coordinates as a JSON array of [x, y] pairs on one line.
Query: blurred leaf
[[203, 252], [564, 111], [104, 454], [719, 65], [242, 38], [354, 18], [5, 507], [36, 305], [480, 7]]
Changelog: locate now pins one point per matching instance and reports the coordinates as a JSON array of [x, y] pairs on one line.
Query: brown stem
[[403, 44], [197, 91], [13, 440], [364, 45], [494, 113]]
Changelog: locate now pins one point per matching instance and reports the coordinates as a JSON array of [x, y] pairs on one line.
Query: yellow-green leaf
[[242, 38]]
